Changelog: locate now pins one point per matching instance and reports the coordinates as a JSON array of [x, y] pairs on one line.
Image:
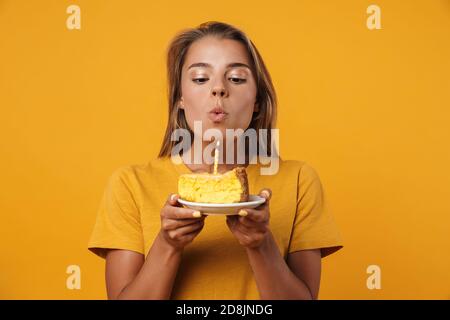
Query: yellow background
[[369, 109]]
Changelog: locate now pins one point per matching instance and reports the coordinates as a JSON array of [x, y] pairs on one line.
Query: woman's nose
[[219, 91]]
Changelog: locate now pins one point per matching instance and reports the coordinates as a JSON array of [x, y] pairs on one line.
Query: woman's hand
[[251, 226], [179, 226]]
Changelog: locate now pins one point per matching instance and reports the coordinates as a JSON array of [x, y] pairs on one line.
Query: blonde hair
[[266, 98]]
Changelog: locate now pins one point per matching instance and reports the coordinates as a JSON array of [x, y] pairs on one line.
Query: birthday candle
[[216, 156]]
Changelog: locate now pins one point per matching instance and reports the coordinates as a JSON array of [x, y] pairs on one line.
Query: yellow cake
[[229, 187]]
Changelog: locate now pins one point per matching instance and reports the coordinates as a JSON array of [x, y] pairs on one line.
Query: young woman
[[157, 249]]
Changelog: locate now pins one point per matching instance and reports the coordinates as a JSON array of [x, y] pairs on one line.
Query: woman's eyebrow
[[230, 65]]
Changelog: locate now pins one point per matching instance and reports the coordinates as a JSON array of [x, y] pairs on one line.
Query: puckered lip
[[217, 115], [218, 110]]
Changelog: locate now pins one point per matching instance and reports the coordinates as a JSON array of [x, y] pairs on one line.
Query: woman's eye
[[200, 80], [237, 80]]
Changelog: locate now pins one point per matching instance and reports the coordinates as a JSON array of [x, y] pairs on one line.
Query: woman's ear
[[181, 103]]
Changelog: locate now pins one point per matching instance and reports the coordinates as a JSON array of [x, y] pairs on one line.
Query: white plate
[[223, 208]]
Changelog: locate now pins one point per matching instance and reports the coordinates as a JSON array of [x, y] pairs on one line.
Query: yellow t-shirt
[[214, 265]]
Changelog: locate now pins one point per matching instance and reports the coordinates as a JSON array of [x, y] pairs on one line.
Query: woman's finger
[[231, 221], [191, 235], [254, 215], [172, 200], [180, 232], [171, 212], [172, 224], [251, 224], [234, 222], [266, 193]]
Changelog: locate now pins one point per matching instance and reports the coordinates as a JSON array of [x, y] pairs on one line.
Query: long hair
[[266, 98]]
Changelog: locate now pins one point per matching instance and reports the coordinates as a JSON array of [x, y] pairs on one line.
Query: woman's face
[[217, 85]]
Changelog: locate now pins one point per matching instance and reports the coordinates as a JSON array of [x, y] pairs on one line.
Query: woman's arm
[[298, 278], [128, 276]]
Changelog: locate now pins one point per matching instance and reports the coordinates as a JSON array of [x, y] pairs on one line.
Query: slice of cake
[[229, 187]]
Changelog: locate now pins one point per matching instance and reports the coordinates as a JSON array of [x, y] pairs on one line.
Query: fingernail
[[172, 196], [196, 214], [242, 213], [267, 193]]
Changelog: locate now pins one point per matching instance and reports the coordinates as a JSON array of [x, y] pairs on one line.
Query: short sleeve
[[314, 226], [118, 223]]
